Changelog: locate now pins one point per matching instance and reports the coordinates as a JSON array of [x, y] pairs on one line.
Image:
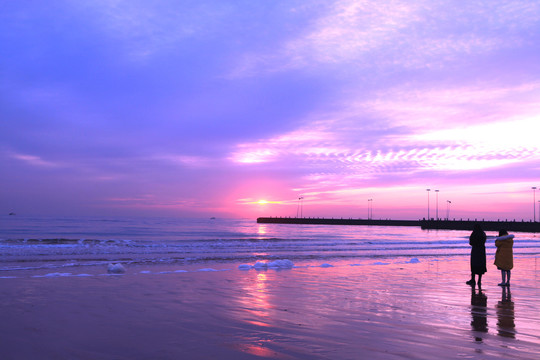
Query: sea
[[74, 245]]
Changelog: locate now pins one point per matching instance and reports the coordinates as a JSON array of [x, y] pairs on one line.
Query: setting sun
[[262, 202]]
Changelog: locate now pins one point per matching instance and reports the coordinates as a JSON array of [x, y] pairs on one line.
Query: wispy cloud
[[456, 129], [145, 29], [34, 160], [184, 160], [397, 34]]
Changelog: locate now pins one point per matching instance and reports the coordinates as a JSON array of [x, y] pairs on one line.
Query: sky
[[270, 108]]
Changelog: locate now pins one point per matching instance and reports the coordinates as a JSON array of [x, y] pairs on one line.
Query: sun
[[262, 202]]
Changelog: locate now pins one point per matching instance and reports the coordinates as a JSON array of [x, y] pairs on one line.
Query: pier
[[512, 226]]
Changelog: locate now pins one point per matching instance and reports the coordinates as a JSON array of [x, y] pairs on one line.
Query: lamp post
[[299, 208], [448, 202], [428, 190], [534, 203], [437, 205], [370, 209]]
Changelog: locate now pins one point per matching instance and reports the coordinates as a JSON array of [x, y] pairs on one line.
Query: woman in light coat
[[504, 257]]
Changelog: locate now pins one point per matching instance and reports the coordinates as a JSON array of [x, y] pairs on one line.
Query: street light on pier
[[428, 190], [448, 202], [534, 203], [437, 205], [370, 209], [300, 207]]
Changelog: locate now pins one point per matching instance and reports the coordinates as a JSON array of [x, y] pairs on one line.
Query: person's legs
[[479, 280], [507, 277], [471, 282], [503, 275]]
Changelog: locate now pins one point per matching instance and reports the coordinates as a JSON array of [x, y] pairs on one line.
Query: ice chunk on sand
[[281, 264], [276, 264], [413, 261], [116, 269], [326, 265], [57, 274], [244, 267]]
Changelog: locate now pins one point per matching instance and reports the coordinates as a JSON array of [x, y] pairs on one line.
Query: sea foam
[[116, 269], [261, 265]]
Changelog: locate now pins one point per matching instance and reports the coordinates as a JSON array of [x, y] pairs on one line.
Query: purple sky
[[238, 108]]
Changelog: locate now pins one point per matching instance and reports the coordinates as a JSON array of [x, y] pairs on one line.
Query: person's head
[[477, 227], [503, 232]]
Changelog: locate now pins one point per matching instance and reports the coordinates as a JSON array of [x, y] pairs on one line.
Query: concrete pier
[[512, 226]]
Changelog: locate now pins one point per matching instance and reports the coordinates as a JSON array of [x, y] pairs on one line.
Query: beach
[[397, 309]]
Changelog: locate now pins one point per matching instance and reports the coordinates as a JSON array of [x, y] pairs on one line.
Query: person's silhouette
[[505, 315], [477, 240], [479, 313]]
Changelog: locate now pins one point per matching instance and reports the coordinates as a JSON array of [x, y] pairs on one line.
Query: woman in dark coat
[[477, 240]]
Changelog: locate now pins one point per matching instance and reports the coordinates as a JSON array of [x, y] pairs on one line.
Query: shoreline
[[392, 310]]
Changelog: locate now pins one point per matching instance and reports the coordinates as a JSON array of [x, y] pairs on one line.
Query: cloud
[[146, 29], [390, 35], [34, 160], [452, 129]]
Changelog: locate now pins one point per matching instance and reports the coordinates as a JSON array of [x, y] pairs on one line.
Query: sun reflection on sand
[[257, 350], [255, 311], [255, 302]]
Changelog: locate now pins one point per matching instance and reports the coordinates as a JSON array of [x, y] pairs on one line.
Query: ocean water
[[70, 245]]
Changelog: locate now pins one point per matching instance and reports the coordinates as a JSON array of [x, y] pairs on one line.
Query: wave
[[58, 245]]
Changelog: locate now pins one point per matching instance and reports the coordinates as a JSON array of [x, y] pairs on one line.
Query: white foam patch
[[146, 272], [207, 269], [281, 264], [261, 265], [116, 269], [53, 275], [180, 271], [381, 263]]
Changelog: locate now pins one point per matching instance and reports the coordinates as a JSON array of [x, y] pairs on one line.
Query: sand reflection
[[479, 313], [255, 301], [505, 315]]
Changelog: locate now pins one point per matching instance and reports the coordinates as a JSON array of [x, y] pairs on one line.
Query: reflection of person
[[478, 312], [477, 240], [505, 315], [504, 257]]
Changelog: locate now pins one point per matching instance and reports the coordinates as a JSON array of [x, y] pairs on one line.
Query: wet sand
[[349, 311]]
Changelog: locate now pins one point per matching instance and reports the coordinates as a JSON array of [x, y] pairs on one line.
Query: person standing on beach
[[504, 257], [477, 240]]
